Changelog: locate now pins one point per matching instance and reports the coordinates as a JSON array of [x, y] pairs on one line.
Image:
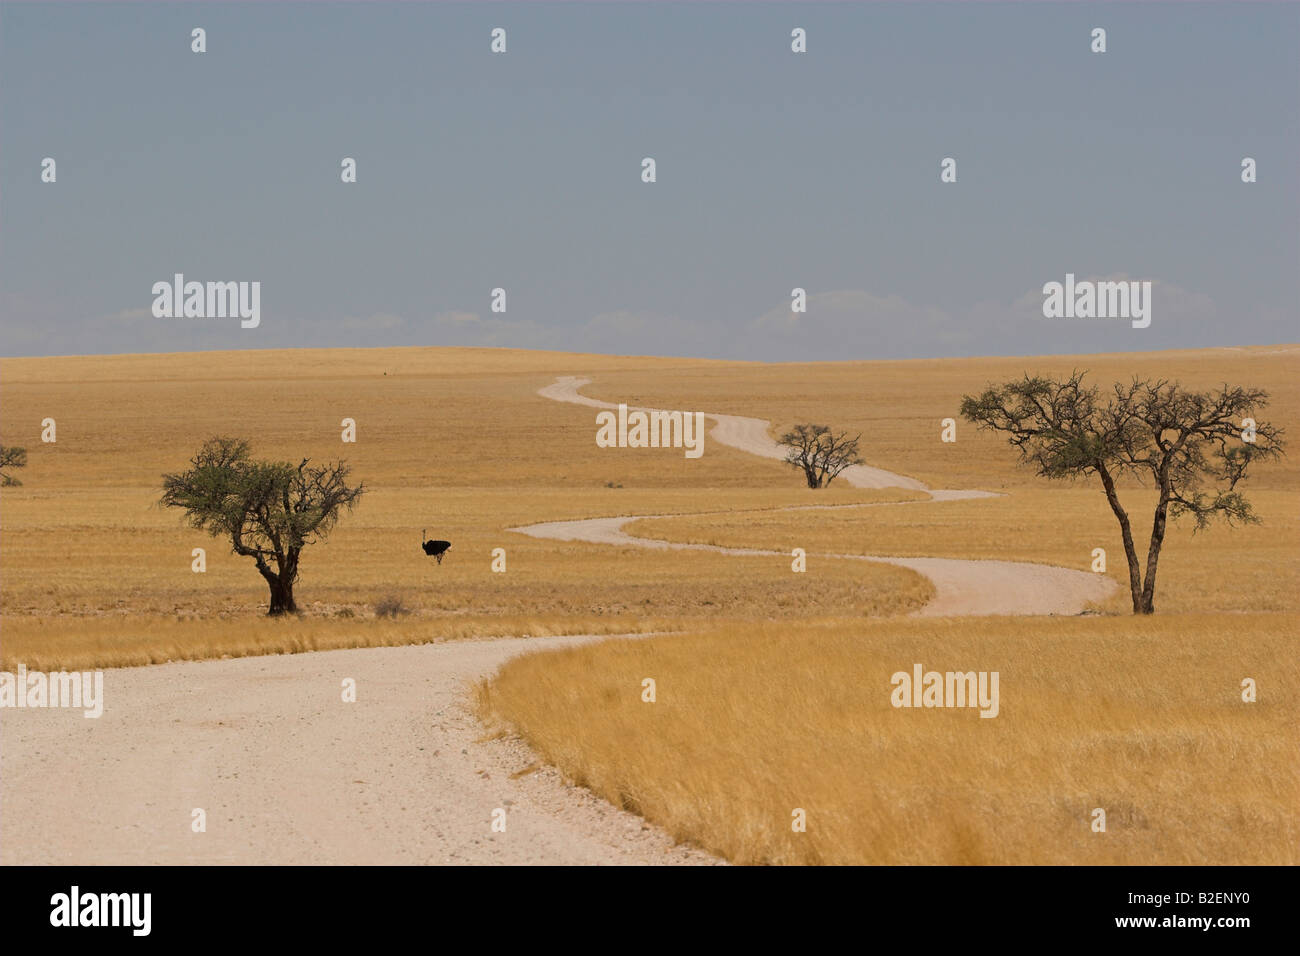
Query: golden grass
[[569, 590], [898, 406], [1246, 568], [458, 441], [1142, 717], [127, 595], [775, 695]]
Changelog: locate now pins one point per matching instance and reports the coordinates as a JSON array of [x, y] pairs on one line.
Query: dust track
[[962, 586], [290, 774]]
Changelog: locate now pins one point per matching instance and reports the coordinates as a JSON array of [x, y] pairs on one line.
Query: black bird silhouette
[[435, 549]]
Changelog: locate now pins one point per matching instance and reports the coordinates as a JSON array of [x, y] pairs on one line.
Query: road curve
[[962, 586], [288, 773]]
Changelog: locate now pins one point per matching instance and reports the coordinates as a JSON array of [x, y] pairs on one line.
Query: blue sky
[[775, 170]]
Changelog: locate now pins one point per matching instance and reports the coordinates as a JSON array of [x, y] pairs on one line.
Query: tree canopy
[[819, 452], [269, 510]]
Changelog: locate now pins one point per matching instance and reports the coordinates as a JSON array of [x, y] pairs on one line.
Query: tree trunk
[[1147, 604], [281, 598], [1126, 530], [281, 586]]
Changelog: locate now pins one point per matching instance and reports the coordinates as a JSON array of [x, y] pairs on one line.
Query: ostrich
[[434, 549]]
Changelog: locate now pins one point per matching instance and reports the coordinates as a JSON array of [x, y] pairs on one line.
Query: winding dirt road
[[962, 586], [287, 772]]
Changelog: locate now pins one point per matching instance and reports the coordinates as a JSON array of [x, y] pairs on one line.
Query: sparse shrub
[[390, 606], [10, 458]]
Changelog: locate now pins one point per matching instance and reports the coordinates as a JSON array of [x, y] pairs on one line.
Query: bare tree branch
[[820, 452]]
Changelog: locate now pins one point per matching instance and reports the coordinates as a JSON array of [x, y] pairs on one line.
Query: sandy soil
[[290, 774], [962, 587]]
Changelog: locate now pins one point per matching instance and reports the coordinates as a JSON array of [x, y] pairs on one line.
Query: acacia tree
[[269, 510], [819, 452], [1195, 447], [11, 457]]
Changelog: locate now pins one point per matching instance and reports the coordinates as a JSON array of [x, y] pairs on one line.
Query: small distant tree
[[1195, 447], [11, 457], [820, 452], [269, 510]]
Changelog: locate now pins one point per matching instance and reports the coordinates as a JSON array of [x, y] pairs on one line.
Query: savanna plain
[[772, 687]]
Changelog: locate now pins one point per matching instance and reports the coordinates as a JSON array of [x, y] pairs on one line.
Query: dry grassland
[[775, 693], [898, 406], [456, 441], [1140, 717], [1252, 568]]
